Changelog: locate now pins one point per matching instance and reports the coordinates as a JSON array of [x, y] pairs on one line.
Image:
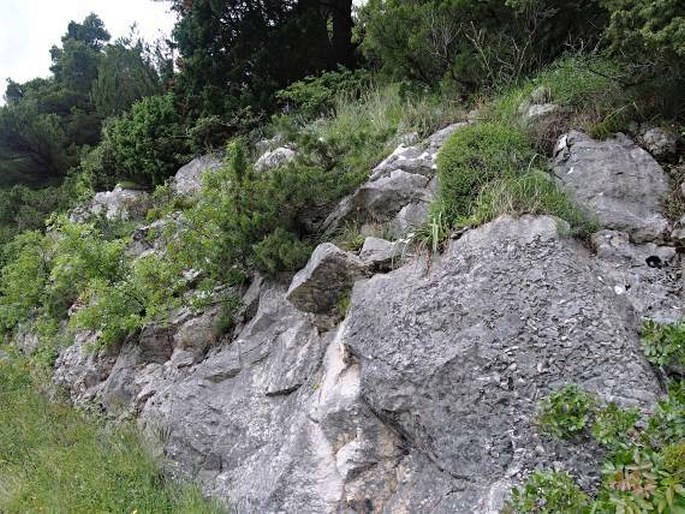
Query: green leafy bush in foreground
[[56, 459], [645, 466]]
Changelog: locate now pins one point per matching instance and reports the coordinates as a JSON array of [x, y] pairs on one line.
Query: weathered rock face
[[617, 181], [399, 191], [382, 255], [329, 274], [423, 398], [188, 179], [116, 204], [646, 275], [454, 371]]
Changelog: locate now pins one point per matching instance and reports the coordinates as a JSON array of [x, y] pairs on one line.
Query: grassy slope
[[56, 459]]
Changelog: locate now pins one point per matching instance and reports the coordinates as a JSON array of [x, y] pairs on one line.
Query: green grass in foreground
[[56, 459]]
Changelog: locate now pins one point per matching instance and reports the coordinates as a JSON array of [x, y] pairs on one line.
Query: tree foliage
[[236, 54], [467, 43], [47, 122]]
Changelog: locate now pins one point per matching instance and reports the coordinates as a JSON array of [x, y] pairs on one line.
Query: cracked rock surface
[[423, 398]]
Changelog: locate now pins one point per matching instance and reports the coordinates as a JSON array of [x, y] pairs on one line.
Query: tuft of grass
[[533, 192], [433, 234], [474, 156], [591, 91], [349, 238], [54, 458]]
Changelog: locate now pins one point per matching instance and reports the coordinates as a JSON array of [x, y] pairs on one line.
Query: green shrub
[[664, 344], [54, 458], [468, 45], [565, 413], [474, 156], [549, 493], [612, 426], [245, 221], [315, 96], [667, 424], [146, 145], [24, 278], [146, 292], [650, 37]]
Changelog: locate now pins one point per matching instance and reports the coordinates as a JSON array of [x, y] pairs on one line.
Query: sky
[[29, 28]]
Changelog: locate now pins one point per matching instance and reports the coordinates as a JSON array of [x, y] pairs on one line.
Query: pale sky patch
[[29, 28]]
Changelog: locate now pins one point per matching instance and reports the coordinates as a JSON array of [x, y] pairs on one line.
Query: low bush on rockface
[[644, 468], [84, 265], [54, 458], [474, 156]]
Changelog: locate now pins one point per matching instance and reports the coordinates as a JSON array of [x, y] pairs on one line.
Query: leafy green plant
[[146, 145], [664, 344], [566, 412], [24, 277], [549, 493], [314, 96], [612, 425], [667, 424]]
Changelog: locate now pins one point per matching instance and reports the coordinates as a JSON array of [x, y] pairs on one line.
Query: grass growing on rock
[[56, 459], [474, 156], [487, 170]]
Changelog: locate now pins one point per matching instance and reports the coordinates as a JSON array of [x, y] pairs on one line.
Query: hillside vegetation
[[343, 86]]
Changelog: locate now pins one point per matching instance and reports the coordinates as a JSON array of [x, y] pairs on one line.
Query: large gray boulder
[[119, 203], [616, 181], [188, 179], [455, 357], [329, 274]]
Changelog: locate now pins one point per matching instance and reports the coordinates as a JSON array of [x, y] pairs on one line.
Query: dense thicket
[[235, 55]]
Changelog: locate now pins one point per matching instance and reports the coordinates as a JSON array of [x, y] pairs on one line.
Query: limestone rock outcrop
[[616, 181], [397, 195], [188, 179], [420, 395], [119, 203]]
